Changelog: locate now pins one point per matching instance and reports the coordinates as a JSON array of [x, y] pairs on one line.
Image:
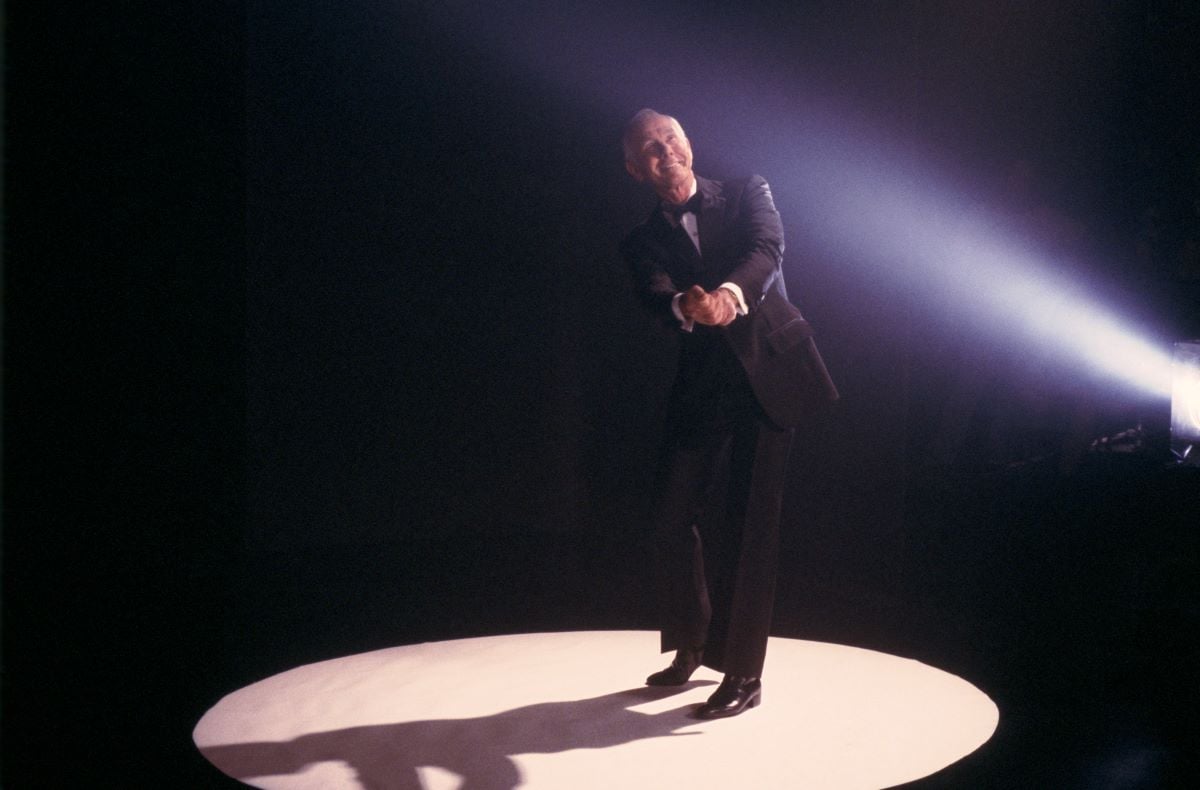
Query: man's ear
[[633, 170]]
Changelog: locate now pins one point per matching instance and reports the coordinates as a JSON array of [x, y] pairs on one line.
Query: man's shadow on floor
[[386, 756]]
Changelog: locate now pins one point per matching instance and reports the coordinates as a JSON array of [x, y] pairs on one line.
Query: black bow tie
[[677, 211]]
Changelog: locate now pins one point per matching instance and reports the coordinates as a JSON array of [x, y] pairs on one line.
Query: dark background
[[316, 341]]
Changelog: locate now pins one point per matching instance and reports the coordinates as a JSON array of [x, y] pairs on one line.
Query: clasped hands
[[714, 308]]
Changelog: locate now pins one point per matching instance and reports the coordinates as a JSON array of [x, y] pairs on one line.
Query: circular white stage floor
[[568, 710]]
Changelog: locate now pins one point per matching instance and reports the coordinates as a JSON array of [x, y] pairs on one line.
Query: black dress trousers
[[720, 495]]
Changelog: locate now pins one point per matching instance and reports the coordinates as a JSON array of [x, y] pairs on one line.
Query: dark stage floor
[[1072, 601]]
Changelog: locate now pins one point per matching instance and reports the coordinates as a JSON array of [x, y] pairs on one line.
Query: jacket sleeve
[[654, 286], [759, 251]]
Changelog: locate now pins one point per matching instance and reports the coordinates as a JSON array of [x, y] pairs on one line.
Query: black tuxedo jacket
[[741, 241]]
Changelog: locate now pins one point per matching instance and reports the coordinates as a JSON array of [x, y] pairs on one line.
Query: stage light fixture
[[1185, 402]]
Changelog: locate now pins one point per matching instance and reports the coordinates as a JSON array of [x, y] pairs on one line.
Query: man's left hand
[[714, 308]]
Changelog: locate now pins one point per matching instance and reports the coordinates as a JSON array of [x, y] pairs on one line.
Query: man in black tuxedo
[[708, 261]]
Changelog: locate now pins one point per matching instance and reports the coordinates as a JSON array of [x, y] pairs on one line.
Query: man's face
[[662, 155]]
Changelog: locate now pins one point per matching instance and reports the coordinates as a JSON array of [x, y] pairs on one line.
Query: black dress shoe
[[686, 662], [733, 696]]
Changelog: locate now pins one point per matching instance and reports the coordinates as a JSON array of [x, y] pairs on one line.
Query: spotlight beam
[[861, 194], [969, 265]]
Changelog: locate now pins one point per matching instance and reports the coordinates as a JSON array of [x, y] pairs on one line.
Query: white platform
[[567, 711]]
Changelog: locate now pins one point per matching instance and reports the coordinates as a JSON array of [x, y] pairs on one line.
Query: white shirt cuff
[[736, 290], [685, 324]]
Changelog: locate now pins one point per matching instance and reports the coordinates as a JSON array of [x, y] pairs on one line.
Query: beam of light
[[859, 192], [968, 263]]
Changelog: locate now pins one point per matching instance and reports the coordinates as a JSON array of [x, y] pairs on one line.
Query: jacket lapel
[[711, 221]]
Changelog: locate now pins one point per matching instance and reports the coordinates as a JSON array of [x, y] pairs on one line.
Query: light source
[[1185, 402]]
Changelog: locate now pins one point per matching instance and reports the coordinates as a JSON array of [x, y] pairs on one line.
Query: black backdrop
[[291, 276]]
